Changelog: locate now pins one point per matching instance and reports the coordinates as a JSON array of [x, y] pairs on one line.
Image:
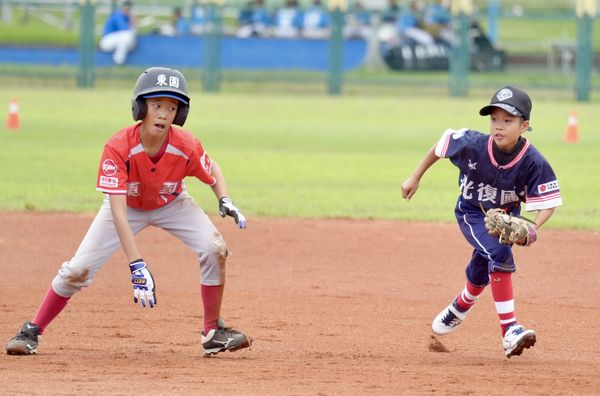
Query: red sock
[[51, 306], [211, 298], [468, 297], [502, 291]]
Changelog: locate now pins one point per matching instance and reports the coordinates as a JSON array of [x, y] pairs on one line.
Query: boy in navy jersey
[[496, 170]]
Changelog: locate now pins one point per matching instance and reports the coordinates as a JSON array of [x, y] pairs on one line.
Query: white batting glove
[[227, 208], [143, 283]]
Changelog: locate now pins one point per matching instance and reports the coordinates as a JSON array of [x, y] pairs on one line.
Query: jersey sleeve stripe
[[543, 198], [539, 205], [441, 148]]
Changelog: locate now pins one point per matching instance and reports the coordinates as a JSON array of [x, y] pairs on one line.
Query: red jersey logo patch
[[109, 167]]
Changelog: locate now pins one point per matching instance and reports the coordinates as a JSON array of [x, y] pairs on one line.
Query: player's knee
[[498, 266], [62, 288], [70, 280], [221, 251], [213, 262]]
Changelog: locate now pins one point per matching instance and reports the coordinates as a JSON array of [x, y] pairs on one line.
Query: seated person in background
[[358, 22], [178, 26], [391, 12], [387, 31], [410, 27], [316, 21], [437, 22], [198, 18], [257, 22], [119, 34], [288, 20], [245, 15]]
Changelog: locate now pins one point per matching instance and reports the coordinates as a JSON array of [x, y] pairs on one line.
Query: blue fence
[[186, 52]]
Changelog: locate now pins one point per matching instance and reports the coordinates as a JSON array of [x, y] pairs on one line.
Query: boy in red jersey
[[141, 172]]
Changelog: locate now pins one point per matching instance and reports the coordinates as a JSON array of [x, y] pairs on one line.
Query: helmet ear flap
[[139, 108], [182, 113]]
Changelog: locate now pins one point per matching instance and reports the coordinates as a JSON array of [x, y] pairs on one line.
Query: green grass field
[[298, 156]]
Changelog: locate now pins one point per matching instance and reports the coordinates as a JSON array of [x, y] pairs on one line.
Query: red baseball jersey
[[125, 168]]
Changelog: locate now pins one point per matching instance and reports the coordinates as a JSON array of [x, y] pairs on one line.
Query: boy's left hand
[[227, 208], [510, 229]]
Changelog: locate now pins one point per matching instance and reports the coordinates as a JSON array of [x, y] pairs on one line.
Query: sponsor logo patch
[[108, 182], [109, 167], [548, 187]]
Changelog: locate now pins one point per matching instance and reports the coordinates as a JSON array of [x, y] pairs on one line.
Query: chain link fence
[[538, 38]]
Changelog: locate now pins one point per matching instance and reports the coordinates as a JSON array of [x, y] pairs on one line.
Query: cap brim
[[506, 107], [165, 95], [510, 109]]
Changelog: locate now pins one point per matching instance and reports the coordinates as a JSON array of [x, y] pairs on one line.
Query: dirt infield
[[336, 307]]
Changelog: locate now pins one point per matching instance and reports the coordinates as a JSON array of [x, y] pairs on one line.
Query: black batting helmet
[[160, 82]]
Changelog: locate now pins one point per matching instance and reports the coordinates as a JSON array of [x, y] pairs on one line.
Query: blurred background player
[[496, 170], [119, 35], [254, 20], [288, 20], [141, 172], [437, 22], [358, 22], [178, 26], [316, 21], [410, 25]]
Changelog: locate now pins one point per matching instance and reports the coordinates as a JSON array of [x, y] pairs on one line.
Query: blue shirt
[[117, 21], [316, 18], [198, 15], [260, 16], [437, 14], [407, 19], [182, 26], [288, 18], [484, 182]]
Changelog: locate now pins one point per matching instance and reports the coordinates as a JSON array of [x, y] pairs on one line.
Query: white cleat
[[447, 320], [516, 339]]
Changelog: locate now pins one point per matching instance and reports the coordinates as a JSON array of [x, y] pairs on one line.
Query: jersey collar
[[511, 163]]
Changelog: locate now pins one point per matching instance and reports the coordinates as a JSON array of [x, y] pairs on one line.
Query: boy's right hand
[[143, 283], [227, 208], [409, 187]]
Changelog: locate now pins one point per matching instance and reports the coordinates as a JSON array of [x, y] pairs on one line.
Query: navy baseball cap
[[512, 100], [165, 95]]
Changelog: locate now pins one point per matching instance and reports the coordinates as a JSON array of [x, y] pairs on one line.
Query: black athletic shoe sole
[[525, 343]]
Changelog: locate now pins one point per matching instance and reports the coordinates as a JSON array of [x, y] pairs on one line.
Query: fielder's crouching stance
[[141, 172], [497, 171]]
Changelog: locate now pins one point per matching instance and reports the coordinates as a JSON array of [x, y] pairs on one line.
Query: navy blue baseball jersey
[[484, 182]]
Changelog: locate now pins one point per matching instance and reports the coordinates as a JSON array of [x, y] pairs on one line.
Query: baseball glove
[[510, 229]]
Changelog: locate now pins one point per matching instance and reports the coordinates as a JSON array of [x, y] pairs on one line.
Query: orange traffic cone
[[572, 130], [13, 115]]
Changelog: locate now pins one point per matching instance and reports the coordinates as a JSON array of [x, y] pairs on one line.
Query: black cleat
[[224, 339], [26, 340]]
